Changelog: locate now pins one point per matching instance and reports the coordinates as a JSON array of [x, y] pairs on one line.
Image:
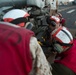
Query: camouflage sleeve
[[40, 63]]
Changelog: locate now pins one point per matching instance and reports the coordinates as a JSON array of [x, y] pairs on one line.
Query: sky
[[71, 0]]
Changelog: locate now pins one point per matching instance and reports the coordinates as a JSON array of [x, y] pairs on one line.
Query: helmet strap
[[19, 20]]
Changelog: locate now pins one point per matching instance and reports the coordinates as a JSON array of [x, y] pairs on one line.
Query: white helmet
[[54, 18], [16, 16], [62, 39]]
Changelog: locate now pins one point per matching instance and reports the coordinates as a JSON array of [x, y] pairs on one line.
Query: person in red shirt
[[65, 46], [64, 49], [20, 53]]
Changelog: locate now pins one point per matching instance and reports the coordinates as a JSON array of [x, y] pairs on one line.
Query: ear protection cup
[[50, 22], [53, 23], [29, 25], [58, 48]]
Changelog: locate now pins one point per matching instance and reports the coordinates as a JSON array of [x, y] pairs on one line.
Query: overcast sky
[[71, 0]]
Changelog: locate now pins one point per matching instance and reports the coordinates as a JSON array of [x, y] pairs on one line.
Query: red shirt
[[15, 56], [68, 58]]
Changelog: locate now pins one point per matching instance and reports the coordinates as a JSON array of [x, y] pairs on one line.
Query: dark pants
[[59, 69]]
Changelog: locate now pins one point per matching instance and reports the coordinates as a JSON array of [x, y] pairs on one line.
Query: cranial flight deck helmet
[[16, 16], [52, 20], [62, 39]]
